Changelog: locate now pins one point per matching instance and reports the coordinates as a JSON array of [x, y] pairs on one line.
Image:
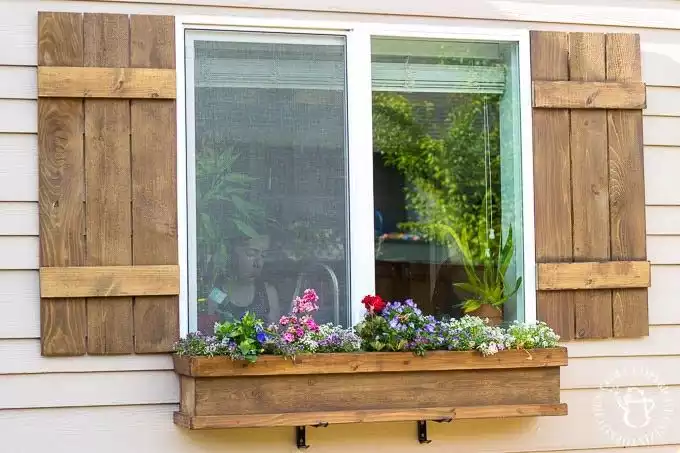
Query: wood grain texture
[[154, 185], [366, 416], [217, 392], [407, 390], [60, 39], [109, 281], [107, 40], [109, 230], [124, 83], [589, 94], [593, 275], [63, 323], [590, 185], [552, 203], [107, 179], [373, 362], [626, 186], [153, 41], [187, 395]]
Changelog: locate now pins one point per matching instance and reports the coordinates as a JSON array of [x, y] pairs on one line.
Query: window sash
[[361, 77]]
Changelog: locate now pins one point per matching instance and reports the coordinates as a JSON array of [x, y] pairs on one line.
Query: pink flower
[[288, 337], [306, 303], [311, 324], [284, 320], [299, 332]]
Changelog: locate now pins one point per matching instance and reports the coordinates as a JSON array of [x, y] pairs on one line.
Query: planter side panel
[[406, 390], [187, 395]]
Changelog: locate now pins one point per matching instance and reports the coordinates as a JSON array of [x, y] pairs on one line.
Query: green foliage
[[532, 335], [443, 162], [223, 209], [245, 336], [400, 327], [490, 287]]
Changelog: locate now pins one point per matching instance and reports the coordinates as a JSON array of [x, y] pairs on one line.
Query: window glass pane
[[270, 173], [447, 176]]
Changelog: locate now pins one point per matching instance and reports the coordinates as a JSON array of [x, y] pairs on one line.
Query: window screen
[[270, 174]]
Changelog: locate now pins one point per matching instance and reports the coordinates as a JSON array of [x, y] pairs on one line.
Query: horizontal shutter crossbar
[[109, 281], [589, 95], [116, 83], [593, 275]]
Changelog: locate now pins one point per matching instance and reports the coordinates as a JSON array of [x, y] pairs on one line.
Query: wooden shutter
[[107, 158], [592, 266]]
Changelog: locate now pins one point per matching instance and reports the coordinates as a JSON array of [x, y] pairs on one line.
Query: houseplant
[[223, 211], [489, 290]]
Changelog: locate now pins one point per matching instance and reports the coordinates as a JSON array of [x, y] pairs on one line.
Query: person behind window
[[244, 289]]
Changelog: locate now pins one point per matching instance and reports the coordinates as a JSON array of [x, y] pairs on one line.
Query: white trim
[[529, 258], [359, 140], [185, 317], [338, 27], [190, 162], [360, 170]]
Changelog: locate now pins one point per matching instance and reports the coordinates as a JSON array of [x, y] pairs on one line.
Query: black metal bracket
[[422, 428], [301, 435], [422, 432]]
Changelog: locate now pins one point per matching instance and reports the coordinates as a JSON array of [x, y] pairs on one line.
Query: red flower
[[374, 304]]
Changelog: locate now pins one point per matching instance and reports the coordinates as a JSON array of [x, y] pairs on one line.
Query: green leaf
[[470, 288], [471, 305], [245, 228]]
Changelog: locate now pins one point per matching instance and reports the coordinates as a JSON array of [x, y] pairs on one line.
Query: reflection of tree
[[443, 162]]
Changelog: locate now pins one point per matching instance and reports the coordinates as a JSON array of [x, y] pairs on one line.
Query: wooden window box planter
[[217, 392]]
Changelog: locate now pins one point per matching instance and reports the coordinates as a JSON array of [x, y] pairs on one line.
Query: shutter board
[[597, 214], [99, 82], [154, 200], [63, 323], [97, 210], [107, 179], [589, 95], [590, 187], [626, 185], [552, 173]]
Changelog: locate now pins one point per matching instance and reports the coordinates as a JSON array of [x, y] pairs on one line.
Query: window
[[352, 162]]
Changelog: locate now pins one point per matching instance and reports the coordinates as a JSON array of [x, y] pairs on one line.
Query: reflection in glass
[[270, 175], [447, 183]]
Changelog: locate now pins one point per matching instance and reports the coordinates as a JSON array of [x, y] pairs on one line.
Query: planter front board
[[217, 392]]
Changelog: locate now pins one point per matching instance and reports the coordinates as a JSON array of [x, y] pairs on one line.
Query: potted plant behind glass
[[488, 291]]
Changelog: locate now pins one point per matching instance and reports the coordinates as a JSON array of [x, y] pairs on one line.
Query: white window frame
[[359, 142]]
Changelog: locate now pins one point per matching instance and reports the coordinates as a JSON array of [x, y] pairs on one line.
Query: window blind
[[271, 66]]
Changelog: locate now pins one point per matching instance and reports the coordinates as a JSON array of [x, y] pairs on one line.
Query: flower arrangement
[[298, 333], [400, 326], [243, 339], [387, 326]]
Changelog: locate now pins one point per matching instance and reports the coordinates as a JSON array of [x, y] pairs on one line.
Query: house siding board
[[19, 167], [119, 413], [112, 429]]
